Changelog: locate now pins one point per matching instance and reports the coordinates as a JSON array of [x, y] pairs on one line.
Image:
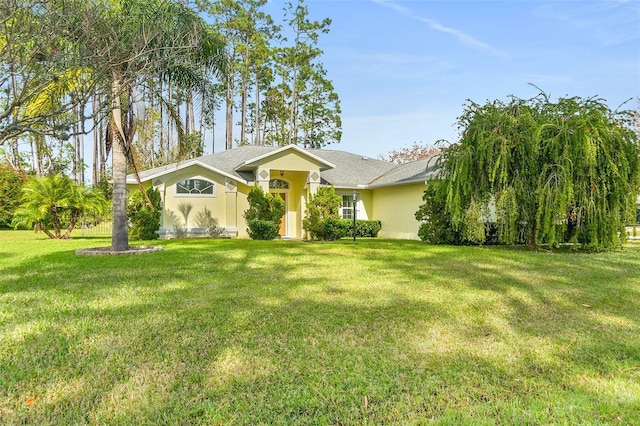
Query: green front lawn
[[282, 332]]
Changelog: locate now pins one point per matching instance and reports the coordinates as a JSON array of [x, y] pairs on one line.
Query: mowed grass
[[283, 332]]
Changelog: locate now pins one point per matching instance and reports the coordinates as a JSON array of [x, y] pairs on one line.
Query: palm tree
[[58, 203], [129, 43], [115, 47]]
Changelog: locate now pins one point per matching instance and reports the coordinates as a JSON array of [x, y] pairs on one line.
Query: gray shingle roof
[[350, 171], [415, 171], [225, 161]]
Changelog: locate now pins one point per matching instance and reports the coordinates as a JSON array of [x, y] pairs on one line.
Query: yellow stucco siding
[[289, 161], [215, 204], [395, 207], [241, 206], [364, 204]]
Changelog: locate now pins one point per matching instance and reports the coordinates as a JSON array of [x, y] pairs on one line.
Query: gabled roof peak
[[252, 162]]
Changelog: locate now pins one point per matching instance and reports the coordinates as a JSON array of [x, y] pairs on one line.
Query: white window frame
[[347, 209], [286, 185], [196, 195]]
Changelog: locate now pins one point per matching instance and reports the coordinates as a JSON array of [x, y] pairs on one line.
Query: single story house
[[218, 184]]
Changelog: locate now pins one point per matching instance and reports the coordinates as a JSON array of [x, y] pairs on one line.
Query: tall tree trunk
[[95, 176], [119, 231], [76, 146], [244, 95], [119, 235], [294, 97], [257, 124], [192, 115], [13, 143], [292, 119], [102, 143], [15, 154], [229, 113], [243, 114], [39, 145], [187, 113], [32, 143], [201, 118], [162, 137]]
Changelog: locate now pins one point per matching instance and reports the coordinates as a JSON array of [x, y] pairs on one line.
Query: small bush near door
[[264, 214], [323, 205], [263, 230]]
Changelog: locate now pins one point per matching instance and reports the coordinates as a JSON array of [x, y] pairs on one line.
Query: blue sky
[[404, 69]]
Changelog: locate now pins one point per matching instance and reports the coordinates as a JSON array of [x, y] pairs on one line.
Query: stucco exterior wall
[[395, 207], [289, 161], [225, 205], [364, 204], [215, 204], [241, 206]]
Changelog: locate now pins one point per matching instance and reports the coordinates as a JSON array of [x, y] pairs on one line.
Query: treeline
[[273, 90]]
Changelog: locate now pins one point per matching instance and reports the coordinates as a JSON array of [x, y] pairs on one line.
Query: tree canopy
[[407, 154], [543, 172]]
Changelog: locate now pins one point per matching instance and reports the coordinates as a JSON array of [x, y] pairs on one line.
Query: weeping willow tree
[[543, 172]]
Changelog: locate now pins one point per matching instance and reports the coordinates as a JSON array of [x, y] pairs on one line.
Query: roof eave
[[185, 165]]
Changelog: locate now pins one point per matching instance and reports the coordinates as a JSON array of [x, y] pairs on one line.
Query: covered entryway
[[280, 188]]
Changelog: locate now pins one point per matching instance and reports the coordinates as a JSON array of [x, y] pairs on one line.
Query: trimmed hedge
[[335, 229]]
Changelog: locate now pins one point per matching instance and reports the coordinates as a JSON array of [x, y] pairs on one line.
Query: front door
[[283, 221]]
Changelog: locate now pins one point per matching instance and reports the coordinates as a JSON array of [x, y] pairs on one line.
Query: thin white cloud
[[463, 37], [609, 23], [395, 65]]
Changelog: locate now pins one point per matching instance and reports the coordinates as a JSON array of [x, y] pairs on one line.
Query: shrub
[[11, 183], [322, 205], [546, 167], [263, 208], [144, 221], [335, 229], [179, 231], [56, 202], [367, 228], [435, 224], [332, 229], [263, 229]]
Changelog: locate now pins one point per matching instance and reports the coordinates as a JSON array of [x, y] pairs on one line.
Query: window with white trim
[[278, 184], [195, 186], [346, 211]]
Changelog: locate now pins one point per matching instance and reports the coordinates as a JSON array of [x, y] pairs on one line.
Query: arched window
[[195, 187], [278, 184]]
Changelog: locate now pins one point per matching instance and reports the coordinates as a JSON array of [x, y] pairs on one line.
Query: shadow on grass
[[293, 333]]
